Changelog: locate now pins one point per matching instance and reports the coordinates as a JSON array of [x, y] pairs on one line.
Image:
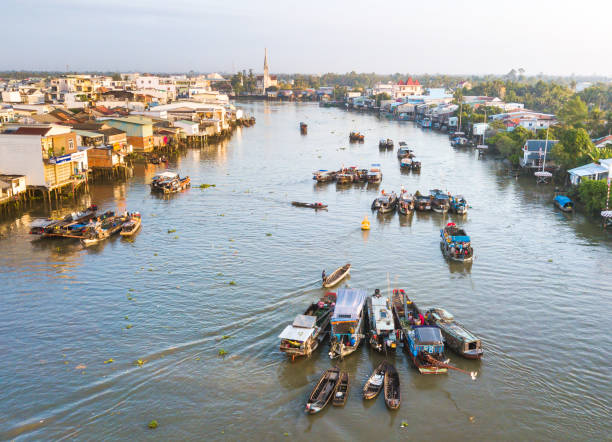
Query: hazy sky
[[313, 36]]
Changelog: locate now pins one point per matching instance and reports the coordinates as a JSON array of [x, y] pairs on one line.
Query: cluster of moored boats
[[406, 203], [356, 137], [169, 182], [351, 316], [348, 175], [88, 226], [407, 158]]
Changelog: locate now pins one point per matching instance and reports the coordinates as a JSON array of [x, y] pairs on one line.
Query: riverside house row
[[84, 122]]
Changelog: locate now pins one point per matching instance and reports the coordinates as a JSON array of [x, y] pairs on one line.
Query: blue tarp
[[461, 238], [563, 200]]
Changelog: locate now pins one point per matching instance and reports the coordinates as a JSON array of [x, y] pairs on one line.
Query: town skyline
[[208, 37]]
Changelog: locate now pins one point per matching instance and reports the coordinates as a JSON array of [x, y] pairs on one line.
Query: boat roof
[[563, 200], [296, 333], [428, 334], [349, 303], [460, 238], [167, 175], [42, 222], [382, 314], [460, 332], [304, 321]]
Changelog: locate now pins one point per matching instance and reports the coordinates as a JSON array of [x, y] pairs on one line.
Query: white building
[[188, 127]]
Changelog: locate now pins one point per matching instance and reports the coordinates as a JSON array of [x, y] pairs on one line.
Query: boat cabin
[[426, 339], [297, 333]]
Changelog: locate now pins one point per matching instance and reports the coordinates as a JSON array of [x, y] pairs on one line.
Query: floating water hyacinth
[[153, 424], [109, 361], [171, 230], [232, 283], [222, 352], [225, 337]]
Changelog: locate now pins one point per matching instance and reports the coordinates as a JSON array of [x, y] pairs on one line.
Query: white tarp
[[349, 304], [299, 334]]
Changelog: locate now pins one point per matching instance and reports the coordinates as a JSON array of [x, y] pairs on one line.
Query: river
[[237, 261]]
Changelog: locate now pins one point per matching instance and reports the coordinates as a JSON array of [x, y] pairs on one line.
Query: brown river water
[[539, 293]]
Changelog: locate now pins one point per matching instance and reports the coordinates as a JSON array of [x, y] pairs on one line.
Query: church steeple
[[266, 73]]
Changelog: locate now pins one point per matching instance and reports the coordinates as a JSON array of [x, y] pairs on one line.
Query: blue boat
[[441, 201], [458, 205], [563, 203]]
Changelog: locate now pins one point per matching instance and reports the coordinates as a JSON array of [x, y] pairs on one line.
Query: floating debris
[[153, 424], [268, 234], [129, 326], [225, 337], [206, 186], [222, 352], [171, 230], [126, 318], [140, 362], [404, 424], [232, 283], [109, 361]]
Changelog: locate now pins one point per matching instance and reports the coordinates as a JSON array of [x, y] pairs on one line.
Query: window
[[70, 144]]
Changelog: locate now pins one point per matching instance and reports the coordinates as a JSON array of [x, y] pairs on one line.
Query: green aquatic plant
[[232, 283], [140, 362], [268, 234], [222, 352], [129, 326], [225, 337], [171, 230], [404, 424], [109, 361], [153, 424]]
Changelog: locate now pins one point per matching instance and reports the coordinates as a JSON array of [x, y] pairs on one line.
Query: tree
[[573, 148], [574, 112], [593, 194], [116, 76]]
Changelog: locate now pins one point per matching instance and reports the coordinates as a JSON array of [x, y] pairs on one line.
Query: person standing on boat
[[377, 293], [421, 319], [323, 275]]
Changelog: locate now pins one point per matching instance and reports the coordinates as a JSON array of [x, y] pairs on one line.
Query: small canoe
[[375, 382], [337, 276], [392, 387], [323, 391], [310, 205], [341, 394]]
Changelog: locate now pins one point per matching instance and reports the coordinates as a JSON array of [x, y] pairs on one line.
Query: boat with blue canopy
[[458, 205], [455, 243], [440, 202], [347, 322], [563, 203]]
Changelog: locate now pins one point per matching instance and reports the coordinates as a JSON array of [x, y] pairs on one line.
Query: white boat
[[347, 322], [381, 331]]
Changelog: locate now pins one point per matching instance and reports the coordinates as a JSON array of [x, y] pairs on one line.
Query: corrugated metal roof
[[588, 169]]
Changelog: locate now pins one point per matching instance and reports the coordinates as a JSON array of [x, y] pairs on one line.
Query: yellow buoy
[[365, 224]]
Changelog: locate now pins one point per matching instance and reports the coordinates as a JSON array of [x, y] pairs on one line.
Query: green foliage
[[593, 194], [153, 424], [222, 352], [573, 148], [574, 112], [510, 144]]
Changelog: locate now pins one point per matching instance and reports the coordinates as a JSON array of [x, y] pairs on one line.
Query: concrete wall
[[21, 155]]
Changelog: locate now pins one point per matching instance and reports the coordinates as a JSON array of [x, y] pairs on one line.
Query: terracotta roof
[[400, 83], [42, 131]]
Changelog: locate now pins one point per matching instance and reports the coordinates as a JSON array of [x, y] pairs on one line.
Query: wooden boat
[[103, 230], [440, 202], [345, 177], [405, 204], [131, 226], [347, 322], [356, 136], [455, 243], [323, 391], [381, 330], [338, 275], [387, 202], [342, 390], [563, 203], [309, 205], [308, 330], [404, 152], [415, 164], [392, 387], [406, 163], [303, 128], [169, 182], [422, 202], [458, 205], [375, 382], [324, 176], [456, 336], [68, 226], [375, 174], [385, 143]]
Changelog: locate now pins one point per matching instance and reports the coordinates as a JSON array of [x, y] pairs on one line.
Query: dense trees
[[593, 194]]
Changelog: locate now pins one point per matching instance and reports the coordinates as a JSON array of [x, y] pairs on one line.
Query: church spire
[[266, 60]]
